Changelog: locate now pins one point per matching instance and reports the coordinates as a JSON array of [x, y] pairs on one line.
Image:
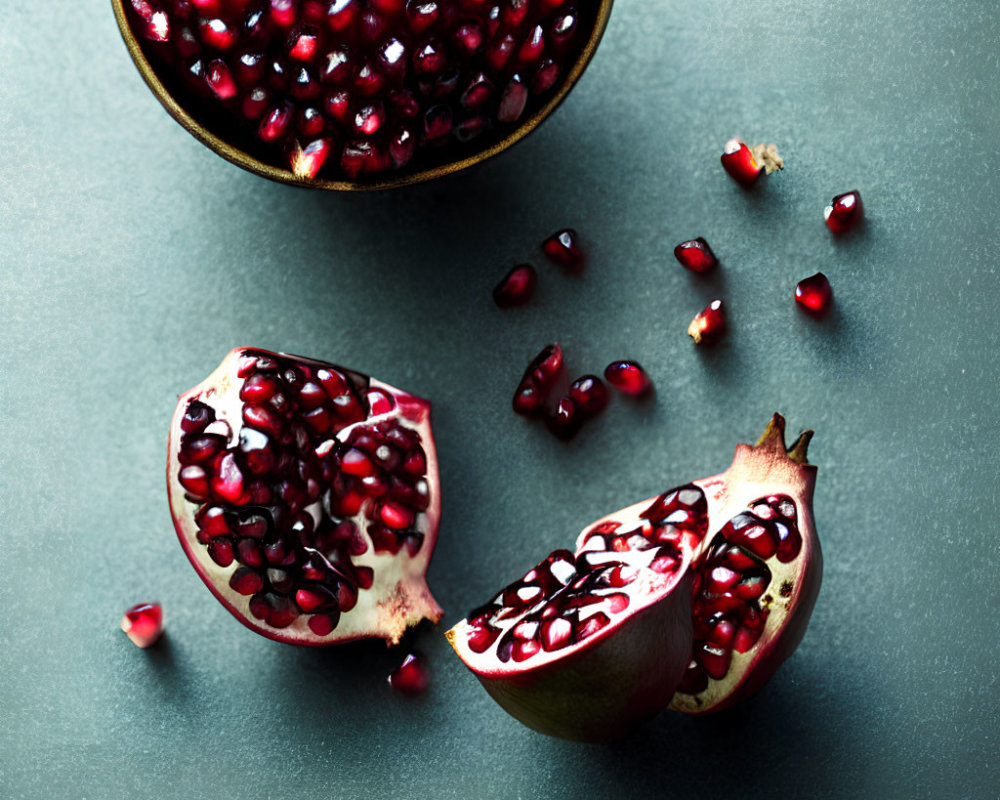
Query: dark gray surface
[[133, 259]]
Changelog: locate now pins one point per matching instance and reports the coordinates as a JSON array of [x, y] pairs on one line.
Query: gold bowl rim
[[251, 164]]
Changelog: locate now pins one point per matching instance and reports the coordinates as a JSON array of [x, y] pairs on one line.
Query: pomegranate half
[[307, 497], [720, 574]]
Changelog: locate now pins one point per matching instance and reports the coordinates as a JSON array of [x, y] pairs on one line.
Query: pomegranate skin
[[397, 597], [626, 675]]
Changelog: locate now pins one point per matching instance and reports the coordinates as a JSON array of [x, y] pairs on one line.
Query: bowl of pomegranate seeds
[[360, 94]]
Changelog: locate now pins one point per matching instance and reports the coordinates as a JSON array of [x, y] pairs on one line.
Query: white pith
[[398, 598]]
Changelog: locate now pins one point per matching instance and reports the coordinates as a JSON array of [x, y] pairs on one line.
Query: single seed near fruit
[[709, 325], [411, 677], [696, 255], [563, 248], [813, 294], [516, 287], [628, 377], [143, 624], [844, 212]]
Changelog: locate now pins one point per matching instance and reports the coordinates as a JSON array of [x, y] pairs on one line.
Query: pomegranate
[[143, 624], [540, 378], [306, 496], [586, 645], [314, 91]]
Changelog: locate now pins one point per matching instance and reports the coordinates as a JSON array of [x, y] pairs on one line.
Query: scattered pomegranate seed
[[813, 294], [696, 255], [844, 212], [566, 420], [628, 377], [563, 247], [589, 393], [739, 162], [709, 325], [516, 287], [538, 381], [746, 164], [143, 623], [411, 677]]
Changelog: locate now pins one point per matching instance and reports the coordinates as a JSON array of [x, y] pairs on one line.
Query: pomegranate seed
[[216, 34], [308, 161], [516, 287], [563, 248], [143, 624], [411, 677], [538, 381], [303, 46], [513, 101], [589, 393], [813, 294], [740, 163], [566, 420], [844, 212], [709, 325], [696, 255], [628, 377]]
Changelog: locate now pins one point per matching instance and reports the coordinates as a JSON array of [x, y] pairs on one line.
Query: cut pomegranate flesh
[[563, 247], [143, 624], [411, 677], [696, 255], [307, 497], [628, 377], [844, 212], [709, 325], [814, 295], [362, 86], [516, 287], [587, 644], [555, 648]]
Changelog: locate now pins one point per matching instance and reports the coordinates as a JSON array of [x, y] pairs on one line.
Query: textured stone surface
[[133, 259]]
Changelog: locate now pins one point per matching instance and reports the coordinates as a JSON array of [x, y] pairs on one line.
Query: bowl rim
[[262, 168]]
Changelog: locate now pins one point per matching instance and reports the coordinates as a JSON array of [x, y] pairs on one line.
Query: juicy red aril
[[589, 393], [538, 381], [516, 287], [696, 255], [739, 162], [813, 294], [143, 624], [628, 377], [411, 677], [435, 52], [729, 604], [565, 419], [844, 212], [708, 326], [563, 248], [275, 499]]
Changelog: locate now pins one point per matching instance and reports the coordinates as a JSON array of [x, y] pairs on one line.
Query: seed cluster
[[351, 87]]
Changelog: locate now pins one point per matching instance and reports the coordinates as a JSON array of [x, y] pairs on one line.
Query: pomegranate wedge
[[307, 498]]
